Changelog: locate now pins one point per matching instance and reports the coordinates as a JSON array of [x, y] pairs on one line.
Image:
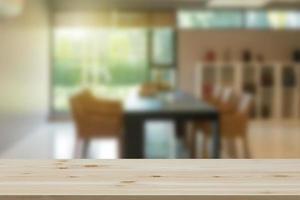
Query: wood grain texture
[[150, 179]]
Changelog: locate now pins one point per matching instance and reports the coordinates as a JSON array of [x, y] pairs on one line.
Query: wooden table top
[[125, 179]]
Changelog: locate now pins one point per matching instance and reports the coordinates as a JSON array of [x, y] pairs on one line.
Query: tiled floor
[[56, 140]]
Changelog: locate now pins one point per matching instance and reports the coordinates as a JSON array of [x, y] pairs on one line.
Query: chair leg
[[85, 149], [232, 147], [189, 139], [187, 134], [81, 148], [120, 147], [193, 143], [77, 152], [205, 145], [246, 149]]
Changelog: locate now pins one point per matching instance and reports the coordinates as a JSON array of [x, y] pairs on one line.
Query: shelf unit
[[275, 86]]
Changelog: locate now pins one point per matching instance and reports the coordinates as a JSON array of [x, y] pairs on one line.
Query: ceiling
[[154, 4], [285, 3], [253, 3]]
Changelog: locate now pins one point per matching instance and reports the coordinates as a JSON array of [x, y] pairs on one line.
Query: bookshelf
[[274, 85]]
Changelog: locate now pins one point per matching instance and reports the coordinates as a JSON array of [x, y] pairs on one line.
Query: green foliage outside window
[[109, 61]]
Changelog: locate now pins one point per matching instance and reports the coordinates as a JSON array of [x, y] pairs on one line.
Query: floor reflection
[[56, 141]]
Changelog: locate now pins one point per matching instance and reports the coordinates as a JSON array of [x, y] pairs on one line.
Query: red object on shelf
[[207, 90], [210, 56]]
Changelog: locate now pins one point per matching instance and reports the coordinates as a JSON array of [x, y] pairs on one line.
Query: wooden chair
[[224, 101], [95, 118], [233, 126]]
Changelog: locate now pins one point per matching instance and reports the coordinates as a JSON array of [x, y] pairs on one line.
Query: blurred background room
[[163, 79]]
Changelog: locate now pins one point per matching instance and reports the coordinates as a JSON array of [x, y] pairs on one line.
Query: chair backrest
[[214, 96], [217, 91], [227, 103], [96, 117], [227, 95], [245, 104], [236, 123]]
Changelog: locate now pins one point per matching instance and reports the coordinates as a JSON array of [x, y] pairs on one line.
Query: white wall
[[274, 45], [24, 67]]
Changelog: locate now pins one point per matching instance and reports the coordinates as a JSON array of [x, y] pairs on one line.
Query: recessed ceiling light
[[238, 3]]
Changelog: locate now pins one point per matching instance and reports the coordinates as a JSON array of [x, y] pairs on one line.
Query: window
[[257, 19], [249, 19], [293, 20], [163, 56], [210, 19], [273, 19], [163, 47], [284, 19], [108, 51], [110, 61]]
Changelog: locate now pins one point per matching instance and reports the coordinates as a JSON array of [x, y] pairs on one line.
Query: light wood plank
[[150, 179]]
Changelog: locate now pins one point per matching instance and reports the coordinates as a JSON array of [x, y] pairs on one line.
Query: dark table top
[[171, 103]]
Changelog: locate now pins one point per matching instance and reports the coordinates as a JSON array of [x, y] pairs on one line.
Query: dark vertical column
[[180, 129], [180, 137], [216, 140], [133, 147]]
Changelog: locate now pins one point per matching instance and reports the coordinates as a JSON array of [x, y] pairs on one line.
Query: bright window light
[[238, 3]]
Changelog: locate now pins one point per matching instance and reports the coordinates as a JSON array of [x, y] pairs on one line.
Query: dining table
[[176, 106]]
